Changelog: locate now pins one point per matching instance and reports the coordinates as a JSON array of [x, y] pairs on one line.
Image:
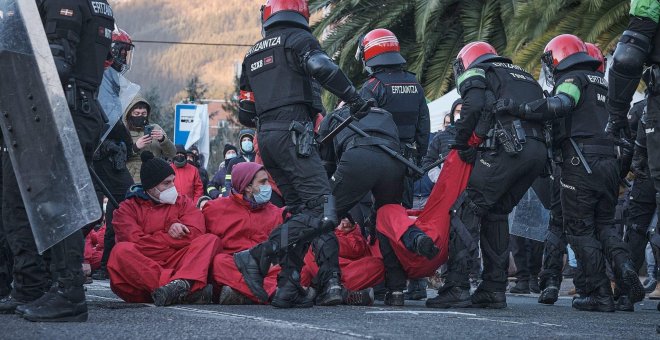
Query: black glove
[[640, 166], [360, 107], [626, 162], [484, 124], [468, 155], [618, 127], [510, 106]]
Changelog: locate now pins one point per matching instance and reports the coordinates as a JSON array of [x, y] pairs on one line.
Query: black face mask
[[138, 122], [179, 161]]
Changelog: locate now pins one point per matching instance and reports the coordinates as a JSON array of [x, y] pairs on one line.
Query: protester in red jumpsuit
[[242, 220], [94, 247], [163, 253], [187, 179]]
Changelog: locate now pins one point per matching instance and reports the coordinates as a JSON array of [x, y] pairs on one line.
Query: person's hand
[[143, 141], [178, 230], [345, 225], [468, 155], [158, 134], [360, 107]]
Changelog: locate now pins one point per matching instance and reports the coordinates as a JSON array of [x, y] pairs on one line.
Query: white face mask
[[167, 196]]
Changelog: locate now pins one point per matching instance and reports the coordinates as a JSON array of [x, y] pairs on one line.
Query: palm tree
[[538, 21], [431, 32]]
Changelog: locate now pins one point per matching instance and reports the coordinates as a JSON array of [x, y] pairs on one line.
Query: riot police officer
[[398, 92], [276, 89], [555, 244], [590, 172], [355, 175], [502, 174], [79, 33]]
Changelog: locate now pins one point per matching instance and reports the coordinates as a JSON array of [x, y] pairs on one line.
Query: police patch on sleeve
[[65, 12]]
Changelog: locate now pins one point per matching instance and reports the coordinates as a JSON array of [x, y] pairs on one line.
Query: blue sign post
[[184, 117]]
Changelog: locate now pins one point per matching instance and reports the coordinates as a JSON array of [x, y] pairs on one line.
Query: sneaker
[[650, 284], [394, 298], [171, 293], [364, 297], [229, 296], [450, 297], [485, 299]]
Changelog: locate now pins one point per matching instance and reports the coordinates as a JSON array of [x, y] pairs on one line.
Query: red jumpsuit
[[94, 247], [393, 220], [188, 182], [359, 269], [240, 227], [147, 257]]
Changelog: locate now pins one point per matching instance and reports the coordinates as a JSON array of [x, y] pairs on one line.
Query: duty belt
[[366, 141], [278, 125], [594, 146]]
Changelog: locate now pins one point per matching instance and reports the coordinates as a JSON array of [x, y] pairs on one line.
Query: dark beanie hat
[[227, 148], [153, 170], [242, 174]]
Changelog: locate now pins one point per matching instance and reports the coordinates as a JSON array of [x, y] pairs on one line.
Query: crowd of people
[[311, 207]]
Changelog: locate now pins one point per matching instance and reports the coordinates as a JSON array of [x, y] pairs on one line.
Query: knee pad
[[627, 66], [325, 248]]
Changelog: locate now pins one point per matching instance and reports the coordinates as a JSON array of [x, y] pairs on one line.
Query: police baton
[[580, 156], [347, 123], [103, 188], [330, 136]]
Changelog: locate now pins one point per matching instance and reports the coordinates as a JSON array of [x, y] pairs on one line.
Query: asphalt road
[[111, 318]]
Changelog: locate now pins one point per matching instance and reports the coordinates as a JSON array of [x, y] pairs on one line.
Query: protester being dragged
[[163, 253]]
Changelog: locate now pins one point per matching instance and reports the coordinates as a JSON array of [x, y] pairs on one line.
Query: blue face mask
[[263, 195], [247, 146]]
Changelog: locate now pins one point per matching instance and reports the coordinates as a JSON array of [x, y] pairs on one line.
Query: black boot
[[550, 293], [450, 297], [364, 297], [534, 285], [424, 246], [394, 298], [173, 292], [485, 299], [8, 304], [200, 297], [64, 304], [598, 301], [521, 287], [100, 274], [331, 293], [635, 290], [252, 274], [228, 296], [290, 294], [623, 304], [416, 289]]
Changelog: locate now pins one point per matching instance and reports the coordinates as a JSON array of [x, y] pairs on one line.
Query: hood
[[138, 98], [453, 107], [137, 191]]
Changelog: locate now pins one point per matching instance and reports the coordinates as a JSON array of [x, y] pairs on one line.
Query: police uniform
[[277, 92], [398, 92], [362, 167], [497, 183], [79, 33]]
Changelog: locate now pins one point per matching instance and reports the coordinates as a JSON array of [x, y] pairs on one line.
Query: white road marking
[[418, 312], [468, 316], [275, 322]]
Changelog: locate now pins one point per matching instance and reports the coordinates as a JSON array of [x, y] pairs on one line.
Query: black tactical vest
[[378, 123], [589, 118], [95, 41], [512, 82], [403, 97], [274, 76]]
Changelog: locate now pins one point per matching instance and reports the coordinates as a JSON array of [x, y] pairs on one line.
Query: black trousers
[[641, 208], [497, 183], [588, 203], [117, 182], [302, 181], [6, 258], [527, 255], [367, 169]]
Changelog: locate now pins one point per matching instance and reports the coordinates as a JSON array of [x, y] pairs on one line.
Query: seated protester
[[216, 186], [94, 247], [196, 159], [242, 220], [246, 145], [163, 253], [360, 270], [187, 180]]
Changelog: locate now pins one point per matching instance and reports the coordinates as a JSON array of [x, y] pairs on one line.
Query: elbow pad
[[560, 105], [328, 74]]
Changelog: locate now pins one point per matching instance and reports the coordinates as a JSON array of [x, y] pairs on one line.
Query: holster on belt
[[302, 135]]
